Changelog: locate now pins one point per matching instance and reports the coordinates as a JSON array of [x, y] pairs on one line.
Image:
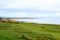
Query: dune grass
[[29, 31]]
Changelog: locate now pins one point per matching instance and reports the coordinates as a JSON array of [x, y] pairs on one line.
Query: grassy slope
[[13, 31]]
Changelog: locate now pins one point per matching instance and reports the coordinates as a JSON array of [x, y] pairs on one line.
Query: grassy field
[[29, 31]]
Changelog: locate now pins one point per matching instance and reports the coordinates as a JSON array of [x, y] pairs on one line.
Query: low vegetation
[[28, 31]]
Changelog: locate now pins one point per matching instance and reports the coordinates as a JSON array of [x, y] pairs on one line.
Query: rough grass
[[28, 31]]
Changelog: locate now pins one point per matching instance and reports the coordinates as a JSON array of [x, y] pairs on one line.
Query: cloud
[[14, 14], [36, 4], [33, 8], [40, 4], [47, 10]]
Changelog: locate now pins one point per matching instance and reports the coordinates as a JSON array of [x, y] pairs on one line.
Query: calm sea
[[50, 20]]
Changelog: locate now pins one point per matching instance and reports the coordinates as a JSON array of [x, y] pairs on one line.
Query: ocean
[[47, 20]]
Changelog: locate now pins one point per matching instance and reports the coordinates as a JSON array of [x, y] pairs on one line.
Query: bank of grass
[[29, 31]]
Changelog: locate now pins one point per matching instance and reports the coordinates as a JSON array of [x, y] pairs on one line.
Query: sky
[[49, 9]]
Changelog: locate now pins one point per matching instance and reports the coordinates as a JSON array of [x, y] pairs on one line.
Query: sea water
[[48, 20]]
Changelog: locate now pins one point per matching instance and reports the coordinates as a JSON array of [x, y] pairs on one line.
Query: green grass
[[19, 31]]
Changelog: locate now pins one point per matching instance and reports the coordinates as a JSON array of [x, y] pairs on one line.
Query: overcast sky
[[30, 8]]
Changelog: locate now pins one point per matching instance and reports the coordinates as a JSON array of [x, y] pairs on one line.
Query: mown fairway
[[29, 31]]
